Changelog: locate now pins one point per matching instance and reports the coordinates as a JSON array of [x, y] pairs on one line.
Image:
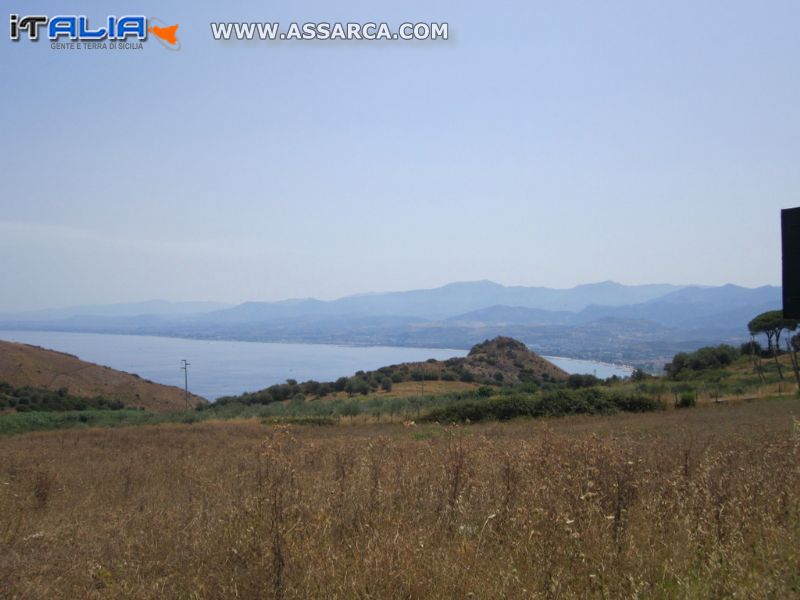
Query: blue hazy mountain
[[695, 307], [500, 314], [606, 321], [126, 309], [449, 300]]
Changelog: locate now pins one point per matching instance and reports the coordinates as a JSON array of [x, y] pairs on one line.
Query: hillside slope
[[23, 365], [499, 360], [512, 359]]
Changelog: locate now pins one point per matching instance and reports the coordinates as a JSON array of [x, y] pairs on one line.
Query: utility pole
[[185, 369]]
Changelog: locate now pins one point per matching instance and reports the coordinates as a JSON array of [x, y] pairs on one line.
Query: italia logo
[[77, 28]]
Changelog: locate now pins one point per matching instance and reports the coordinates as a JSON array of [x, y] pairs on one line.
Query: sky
[[545, 143]]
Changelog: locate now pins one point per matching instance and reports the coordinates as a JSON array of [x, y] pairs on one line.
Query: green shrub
[[750, 348], [577, 381], [500, 409], [553, 403], [565, 402], [708, 357], [485, 391], [634, 402], [30, 399]]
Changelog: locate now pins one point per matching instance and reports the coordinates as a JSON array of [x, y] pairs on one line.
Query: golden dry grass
[[701, 503], [25, 365]]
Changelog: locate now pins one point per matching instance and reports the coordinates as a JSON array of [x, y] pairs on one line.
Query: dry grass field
[[696, 503]]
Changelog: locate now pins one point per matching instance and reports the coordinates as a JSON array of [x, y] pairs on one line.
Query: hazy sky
[[546, 143]]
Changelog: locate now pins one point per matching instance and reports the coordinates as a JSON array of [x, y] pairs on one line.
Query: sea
[[222, 368]]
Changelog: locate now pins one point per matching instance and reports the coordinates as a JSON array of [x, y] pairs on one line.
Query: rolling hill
[[501, 359], [23, 365]]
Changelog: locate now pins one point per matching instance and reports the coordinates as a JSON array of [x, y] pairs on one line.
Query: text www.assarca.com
[[267, 31]]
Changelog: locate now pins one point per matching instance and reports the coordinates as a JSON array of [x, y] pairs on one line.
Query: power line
[[185, 369]]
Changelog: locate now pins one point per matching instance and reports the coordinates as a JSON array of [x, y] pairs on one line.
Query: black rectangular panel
[[790, 234]]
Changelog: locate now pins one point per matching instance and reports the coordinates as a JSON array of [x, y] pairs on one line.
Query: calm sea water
[[587, 367], [220, 368]]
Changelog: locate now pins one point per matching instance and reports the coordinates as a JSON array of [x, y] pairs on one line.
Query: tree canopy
[[772, 324]]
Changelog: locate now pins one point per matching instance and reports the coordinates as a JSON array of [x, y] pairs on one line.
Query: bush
[[750, 348], [577, 381], [554, 403], [30, 399], [501, 409], [687, 400], [565, 402], [708, 357], [635, 402]]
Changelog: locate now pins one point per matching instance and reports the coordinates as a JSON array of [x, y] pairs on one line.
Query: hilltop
[[22, 365], [499, 360], [502, 361]]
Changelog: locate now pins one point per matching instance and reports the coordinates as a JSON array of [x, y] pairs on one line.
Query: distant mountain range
[[450, 300], [127, 309], [608, 321]]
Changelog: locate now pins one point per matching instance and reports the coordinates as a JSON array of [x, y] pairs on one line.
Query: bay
[[221, 368]]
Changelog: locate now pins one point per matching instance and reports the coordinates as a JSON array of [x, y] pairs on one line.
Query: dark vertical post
[[790, 237], [185, 369]]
